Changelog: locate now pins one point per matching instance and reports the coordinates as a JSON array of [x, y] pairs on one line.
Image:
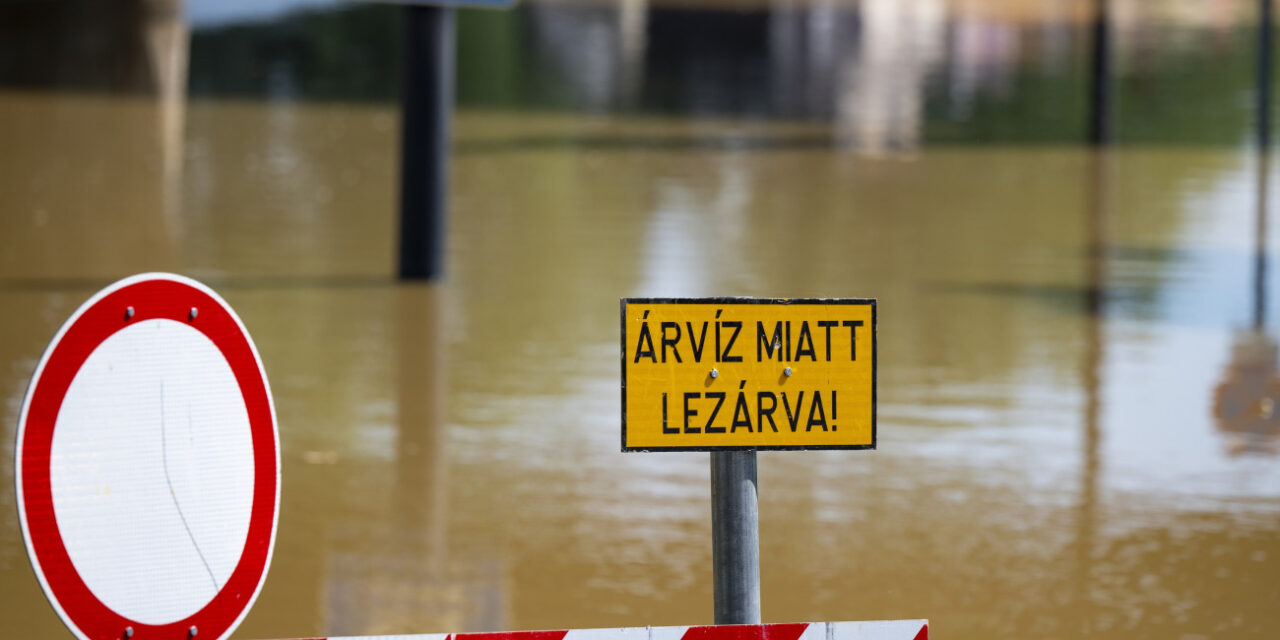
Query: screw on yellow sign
[[710, 374]]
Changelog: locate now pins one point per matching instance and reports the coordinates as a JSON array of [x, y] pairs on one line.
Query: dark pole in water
[[426, 104], [1264, 157], [735, 537], [1100, 71], [1264, 74]]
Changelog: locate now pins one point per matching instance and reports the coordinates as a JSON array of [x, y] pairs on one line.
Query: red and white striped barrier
[[878, 630]]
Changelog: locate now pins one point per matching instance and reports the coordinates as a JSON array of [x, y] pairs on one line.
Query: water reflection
[[1245, 402], [398, 572], [1093, 361]]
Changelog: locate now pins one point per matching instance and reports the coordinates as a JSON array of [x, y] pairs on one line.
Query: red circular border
[[150, 299]]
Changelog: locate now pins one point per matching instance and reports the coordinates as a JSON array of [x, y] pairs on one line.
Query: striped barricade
[[877, 630]]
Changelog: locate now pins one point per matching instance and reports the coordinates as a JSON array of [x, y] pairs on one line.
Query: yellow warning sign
[[707, 374]]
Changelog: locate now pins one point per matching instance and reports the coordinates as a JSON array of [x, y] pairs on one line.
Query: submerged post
[[1099, 76], [735, 537], [426, 104]]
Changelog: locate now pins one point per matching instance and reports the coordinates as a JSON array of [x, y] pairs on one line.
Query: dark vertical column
[[1099, 76], [1265, 26], [426, 103]]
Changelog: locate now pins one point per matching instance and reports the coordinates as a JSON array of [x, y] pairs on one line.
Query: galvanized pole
[[426, 105], [735, 537]]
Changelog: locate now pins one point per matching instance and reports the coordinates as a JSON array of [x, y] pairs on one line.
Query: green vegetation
[[351, 53], [1189, 95]]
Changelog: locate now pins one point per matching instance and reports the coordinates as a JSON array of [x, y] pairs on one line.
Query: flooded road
[[1061, 331]]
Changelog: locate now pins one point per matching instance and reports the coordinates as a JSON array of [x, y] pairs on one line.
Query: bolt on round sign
[[711, 374], [147, 464]]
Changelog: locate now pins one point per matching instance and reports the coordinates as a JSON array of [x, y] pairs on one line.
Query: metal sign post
[[735, 537]]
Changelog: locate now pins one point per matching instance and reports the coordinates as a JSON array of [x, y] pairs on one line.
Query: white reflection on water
[[1161, 443], [697, 230]]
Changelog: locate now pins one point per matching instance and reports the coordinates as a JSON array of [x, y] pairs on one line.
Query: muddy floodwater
[[1066, 334]]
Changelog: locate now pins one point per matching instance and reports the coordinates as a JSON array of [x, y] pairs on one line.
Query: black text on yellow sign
[[711, 374]]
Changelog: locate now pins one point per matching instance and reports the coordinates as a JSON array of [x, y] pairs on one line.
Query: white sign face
[[148, 464]]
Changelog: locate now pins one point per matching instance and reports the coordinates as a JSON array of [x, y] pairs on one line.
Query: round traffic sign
[[148, 465]]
